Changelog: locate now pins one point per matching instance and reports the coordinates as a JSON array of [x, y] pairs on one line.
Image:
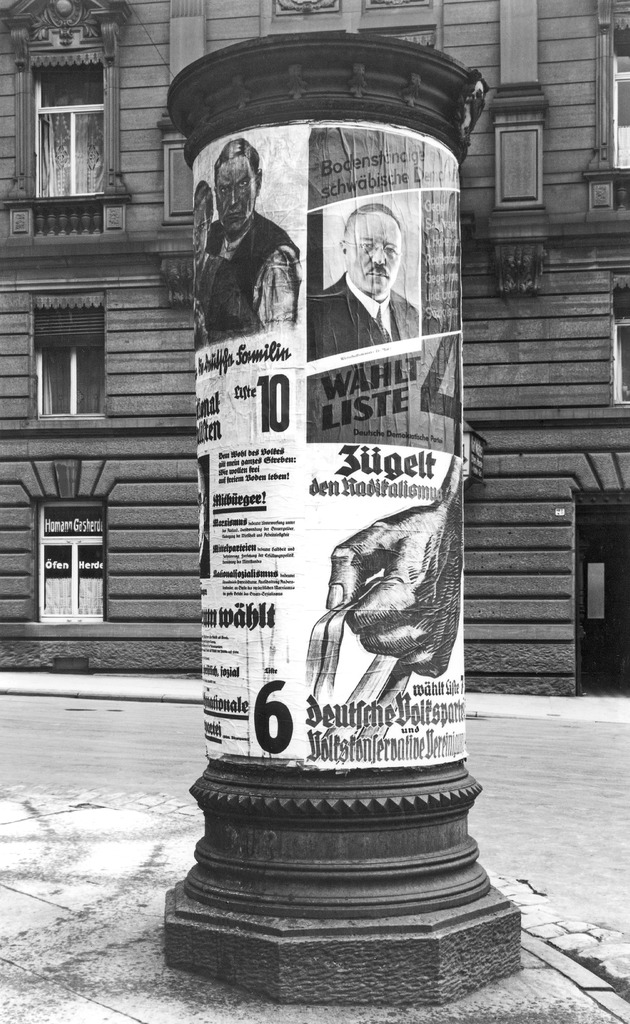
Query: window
[[67, 118], [622, 361], [69, 342], [71, 562], [70, 131], [622, 99]]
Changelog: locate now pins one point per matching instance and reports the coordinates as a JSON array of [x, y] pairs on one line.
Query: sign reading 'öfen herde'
[[328, 348]]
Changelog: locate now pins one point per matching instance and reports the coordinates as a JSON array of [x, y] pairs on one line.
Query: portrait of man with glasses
[[362, 309]]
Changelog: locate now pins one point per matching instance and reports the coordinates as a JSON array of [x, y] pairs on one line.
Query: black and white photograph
[[314, 511], [366, 291], [247, 267]]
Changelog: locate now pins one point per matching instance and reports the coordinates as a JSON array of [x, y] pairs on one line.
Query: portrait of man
[[362, 308], [220, 306], [264, 262]]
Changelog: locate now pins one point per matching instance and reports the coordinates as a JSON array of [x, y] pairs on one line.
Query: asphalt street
[[554, 810]]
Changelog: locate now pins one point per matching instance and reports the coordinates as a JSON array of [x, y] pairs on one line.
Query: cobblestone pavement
[[604, 952]]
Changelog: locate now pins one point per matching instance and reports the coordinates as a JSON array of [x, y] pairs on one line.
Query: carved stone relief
[[518, 268]]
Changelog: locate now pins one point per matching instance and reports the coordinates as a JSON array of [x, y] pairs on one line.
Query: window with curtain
[[70, 131], [622, 98], [622, 361], [71, 560], [71, 360]]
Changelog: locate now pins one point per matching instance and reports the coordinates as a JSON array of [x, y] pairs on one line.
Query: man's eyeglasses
[[371, 248]]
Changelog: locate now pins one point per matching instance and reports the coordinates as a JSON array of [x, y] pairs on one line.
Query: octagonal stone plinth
[[422, 959]]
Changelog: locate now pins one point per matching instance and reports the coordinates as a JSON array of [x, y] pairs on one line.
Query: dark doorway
[[603, 593]]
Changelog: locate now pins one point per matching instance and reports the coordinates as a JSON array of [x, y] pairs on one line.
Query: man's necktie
[[381, 326]]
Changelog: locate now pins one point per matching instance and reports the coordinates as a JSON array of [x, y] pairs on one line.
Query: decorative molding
[[601, 195], [178, 275], [604, 13], [357, 83], [297, 84], [212, 796], [20, 222], [85, 300], [424, 38], [412, 92], [471, 103], [378, 5], [53, 25], [284, 7], [351, 76], [63, 20], [518, 268], [114, 218], [53, 60], [19, 39], [608, 191]]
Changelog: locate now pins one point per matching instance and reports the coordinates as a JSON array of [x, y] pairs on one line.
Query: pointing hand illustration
[[402, 578]]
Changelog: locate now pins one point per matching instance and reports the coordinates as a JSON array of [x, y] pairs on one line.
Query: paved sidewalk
[[186, 690], [83, 878], [81, 909], [165, 689]]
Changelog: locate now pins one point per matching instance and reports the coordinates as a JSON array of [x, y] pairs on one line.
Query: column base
[[429, 958]]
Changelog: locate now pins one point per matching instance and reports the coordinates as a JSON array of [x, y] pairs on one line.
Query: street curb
[[166, 698], [581, 976], [590, 983]]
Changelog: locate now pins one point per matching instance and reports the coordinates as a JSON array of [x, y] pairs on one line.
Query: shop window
[[71, 562], [70, 131], [622, 361], [70, 349]]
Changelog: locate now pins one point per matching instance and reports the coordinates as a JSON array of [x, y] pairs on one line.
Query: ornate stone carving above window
[[178, 276], [57, 34], [379, 5], [518, 268], [282, 7]]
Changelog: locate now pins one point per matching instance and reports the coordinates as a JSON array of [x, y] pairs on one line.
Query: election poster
[[328, 365]]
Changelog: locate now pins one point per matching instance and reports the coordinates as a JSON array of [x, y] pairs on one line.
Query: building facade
[[98, 471], [98, 478]]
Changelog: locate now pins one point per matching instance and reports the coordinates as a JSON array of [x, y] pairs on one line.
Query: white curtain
[[58, 596], [56, 170], [623, 146], [90, 597], [55, 381]]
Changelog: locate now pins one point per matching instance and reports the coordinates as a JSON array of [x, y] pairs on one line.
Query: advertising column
[[328, 357], [336, 864]]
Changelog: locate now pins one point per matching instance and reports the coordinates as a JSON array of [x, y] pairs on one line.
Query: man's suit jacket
[[338, 322]]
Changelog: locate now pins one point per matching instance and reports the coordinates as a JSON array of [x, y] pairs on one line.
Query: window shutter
[[65, 325]]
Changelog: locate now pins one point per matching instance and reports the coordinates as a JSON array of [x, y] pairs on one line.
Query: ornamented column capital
[[178, 275], [518, 268], [378, 78]]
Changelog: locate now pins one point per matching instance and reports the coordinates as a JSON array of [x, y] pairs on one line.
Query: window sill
[[101, 630], [68, 620], [64, 417]]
